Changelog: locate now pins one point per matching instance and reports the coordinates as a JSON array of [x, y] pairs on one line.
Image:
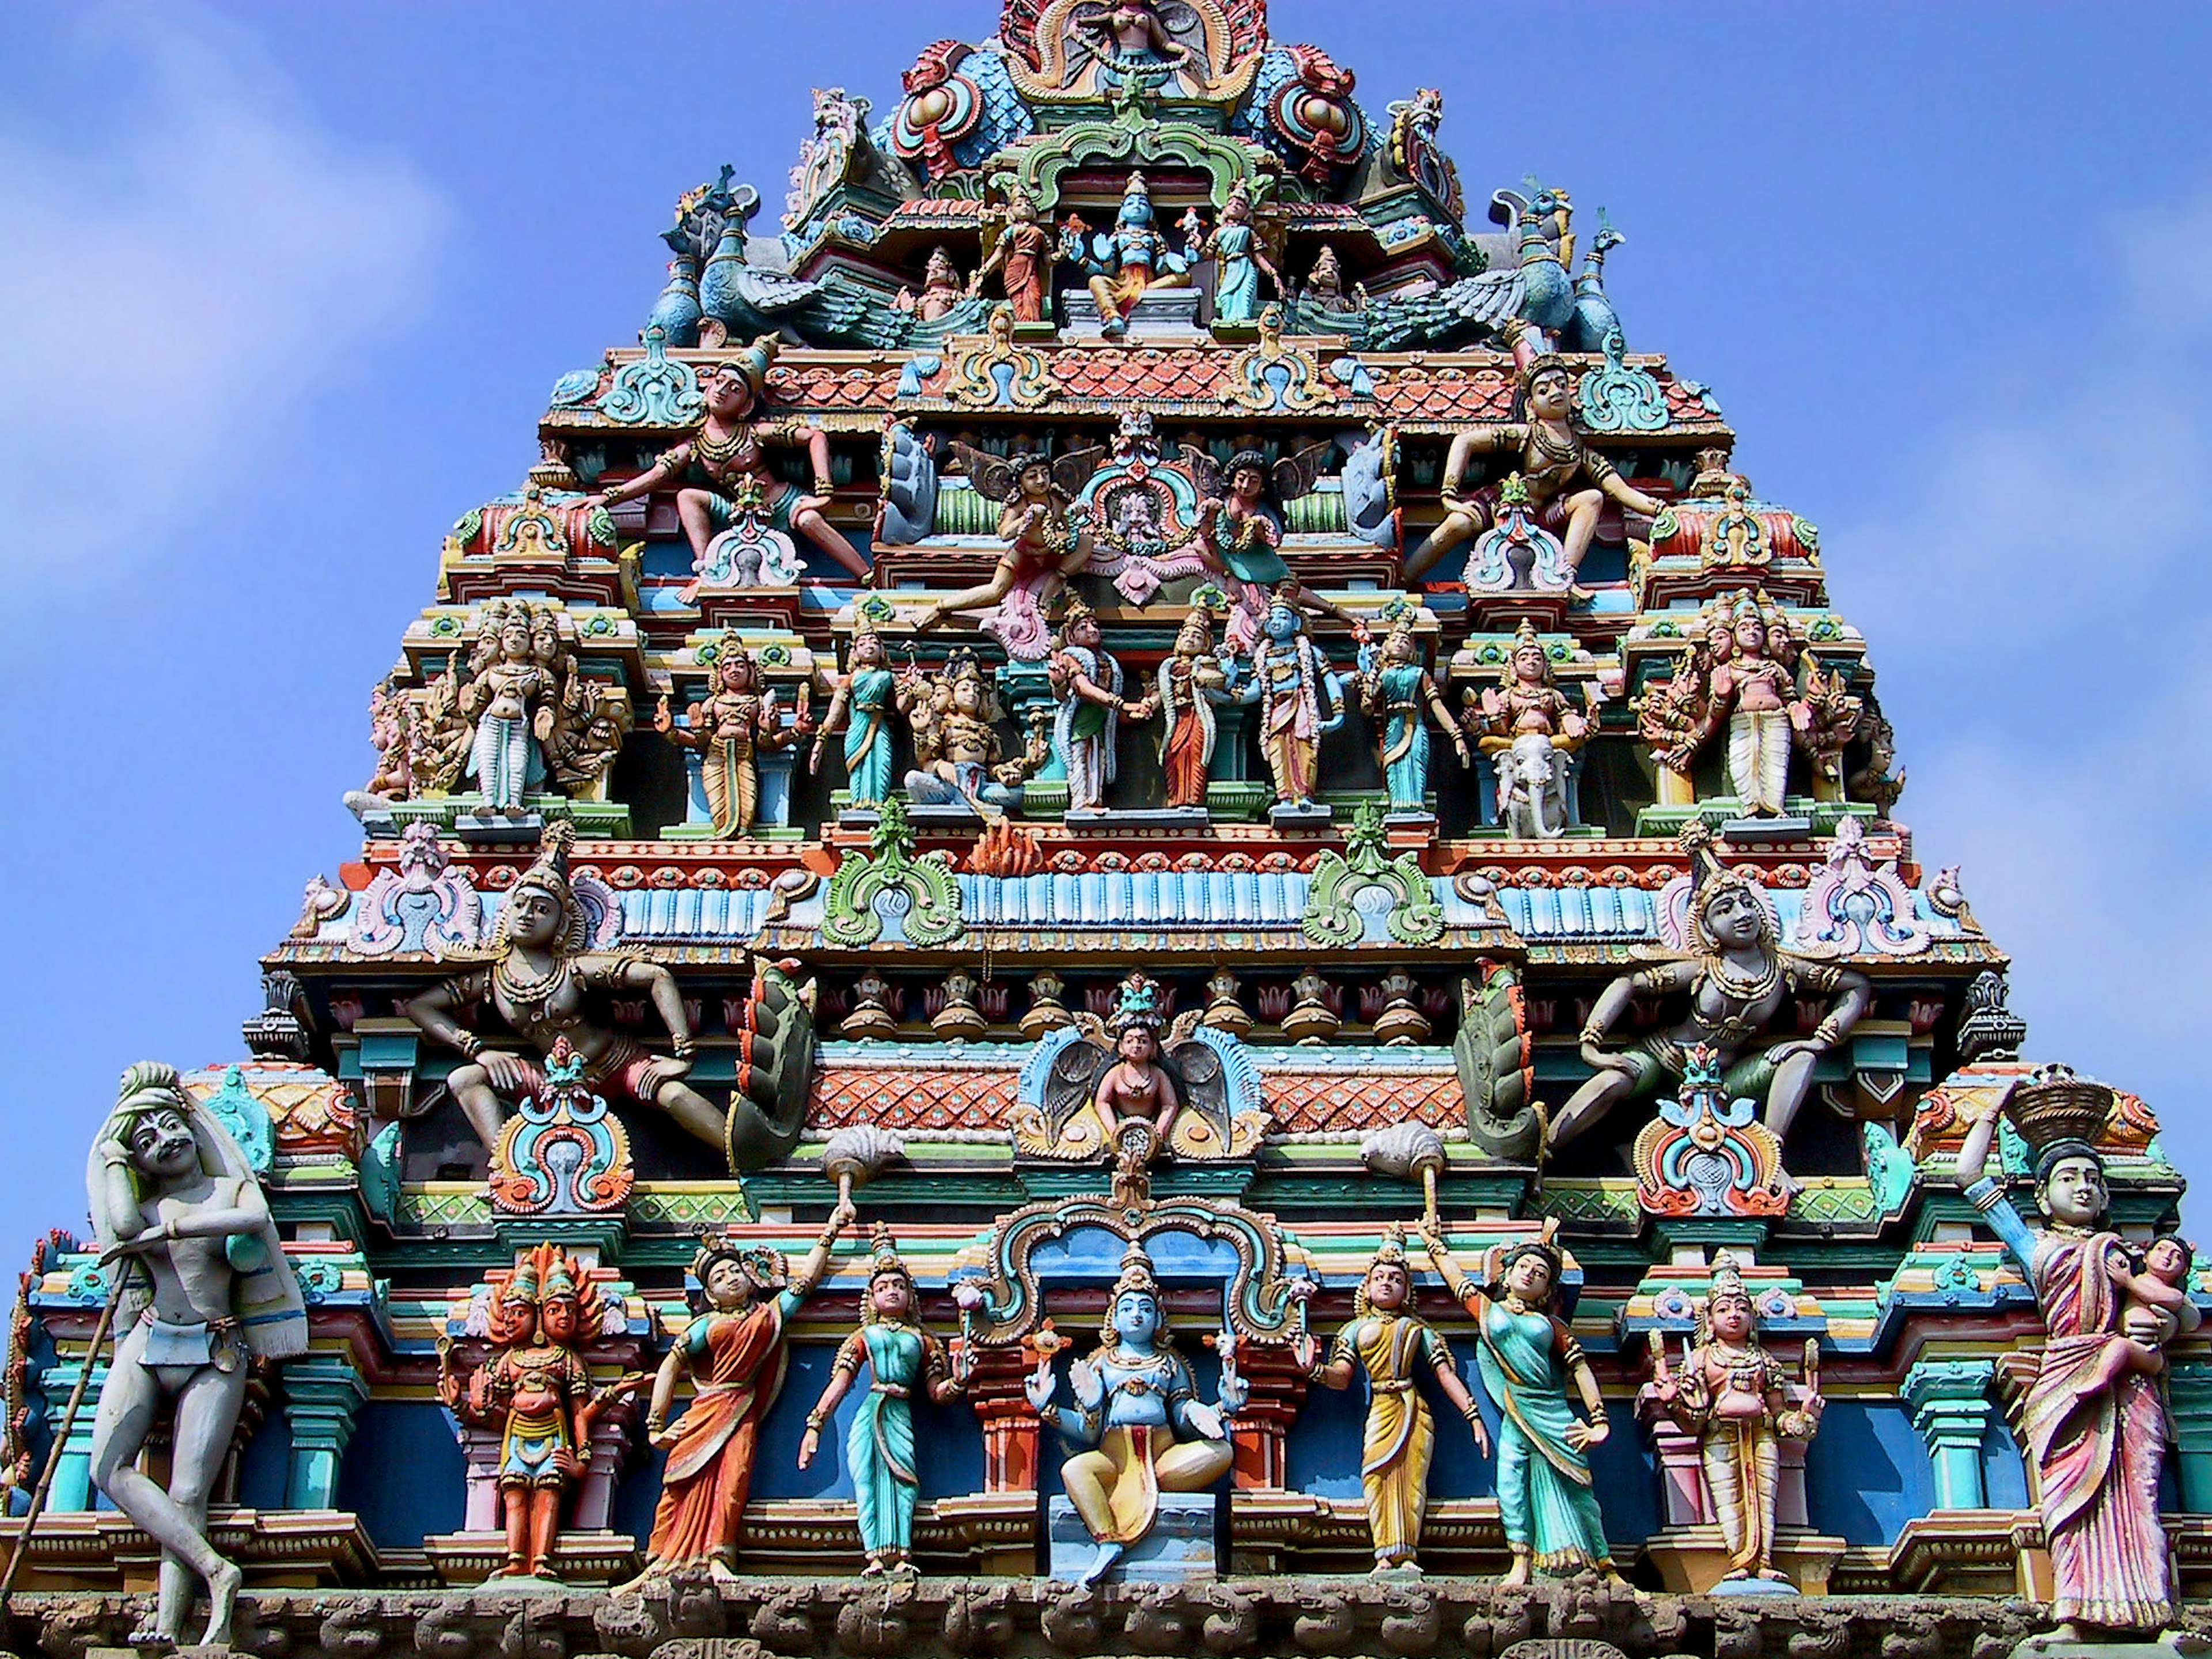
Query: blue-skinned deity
[[1137, 1419], [1128, 261]]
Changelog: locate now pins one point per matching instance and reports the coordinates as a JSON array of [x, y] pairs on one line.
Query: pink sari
[[2097, 1450]]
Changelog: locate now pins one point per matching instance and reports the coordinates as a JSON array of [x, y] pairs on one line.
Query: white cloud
[[181, 258], [2031, 592]]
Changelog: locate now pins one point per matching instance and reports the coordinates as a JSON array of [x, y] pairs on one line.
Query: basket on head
[[2053, 1103]]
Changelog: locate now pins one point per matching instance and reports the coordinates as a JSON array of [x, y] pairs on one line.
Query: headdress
[[1401, 628], [1727, 1285], [1709, 879], [1136, 201], [1541, 363], [1541, 1246], [765, 1269], [1140, 1004], [884, 1258], [1391, 1252], [549, 876], [1239, 193], [751, 362], [1136, 1278], [1076, 611]]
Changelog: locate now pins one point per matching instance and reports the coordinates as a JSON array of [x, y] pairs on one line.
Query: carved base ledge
[[1694, 1560], [101, 1550], [1970, 1553], [465, 1560]]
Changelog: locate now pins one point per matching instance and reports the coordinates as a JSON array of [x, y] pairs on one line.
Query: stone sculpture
[[731, 728]]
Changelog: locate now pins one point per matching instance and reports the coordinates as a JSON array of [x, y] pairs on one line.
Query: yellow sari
[[1402, 1435]]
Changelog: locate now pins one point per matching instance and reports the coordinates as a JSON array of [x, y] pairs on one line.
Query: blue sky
[[283, 288]]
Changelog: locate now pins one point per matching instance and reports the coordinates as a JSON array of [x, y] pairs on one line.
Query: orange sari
[[739, 1364]]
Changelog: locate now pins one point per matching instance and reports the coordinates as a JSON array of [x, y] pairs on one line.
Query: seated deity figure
[[1528, 728], [1552, 456], [960, 759], [1128, 262], [1736, 1397], [537, 983], [1738, 980], [730, 450], [941, 289], [1137, 1416], [205, 1291]]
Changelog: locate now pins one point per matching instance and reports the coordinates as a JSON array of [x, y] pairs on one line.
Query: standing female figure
[[2096, 1434], [879, 1449], [1527, 1359], [1394, 1346], [860, 708], [734, 1353]]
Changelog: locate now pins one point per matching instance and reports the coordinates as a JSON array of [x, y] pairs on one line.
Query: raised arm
[[1987, 1194]]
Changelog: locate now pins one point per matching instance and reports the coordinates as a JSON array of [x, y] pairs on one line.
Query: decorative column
[[1011, 1428], [2188, 1389], [72, 1487], [323, 1396], [1260, 1429], [1950, 1404]]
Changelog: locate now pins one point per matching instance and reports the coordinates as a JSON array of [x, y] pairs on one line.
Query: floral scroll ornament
[[889, 881], [995, 373], [1854, 906], [563, 1153], [654, 391], [1274, 379], [1704, 1155], [1618, 399], [426, 907], [1517, 555], [1350, 887]]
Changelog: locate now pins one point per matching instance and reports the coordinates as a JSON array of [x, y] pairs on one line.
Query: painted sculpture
[[1243, 524], [1739, 1403], [538, 1390], [1188, 686], [860, 709], [1021, 258], [735, 724], [1529, 730], [1088, 683], [1737, 980], [1128, 262], [1395, 1348], [1137, 1418], [1528, 1359], [1551, 456], [1300, 698], [2092, 1421], [510, 699], [942, 289], [539, 982], [202, 1291], [734, 1353], [1403, 697], [1240, 260], [960, 760], [902, 1360], [729, 453], [1046, 542]]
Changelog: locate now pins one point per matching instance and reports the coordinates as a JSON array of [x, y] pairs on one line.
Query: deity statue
[[1528, 728], [1734, 1398], [537, 982], [509, 695], [1738, 980], [1021, 255], [733, 1351], [1137, 1416], [1188, 686], [1300, 698], [1528, 1359], [942, 290], [1132, 34], [1128, 262], [1551, 456], [174, 1203], [729, 450], [860, 708], [1395, 1347], [1240, 260], [1137, 1087], [1243, 528], [1088, 683], [1396, 688], [1755, 692], [1325, 284], [735, 725], [2094, 1424], [961, 761], [536, 1387], [1046, 541], [905, 1359]]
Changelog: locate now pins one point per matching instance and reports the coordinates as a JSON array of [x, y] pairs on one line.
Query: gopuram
[[1134, 908]]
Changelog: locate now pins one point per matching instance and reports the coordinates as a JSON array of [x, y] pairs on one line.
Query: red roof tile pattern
[[1307, 1103], [916, 1098], [1451, 393], [1181, 375], [828, 386], [935, 211]]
